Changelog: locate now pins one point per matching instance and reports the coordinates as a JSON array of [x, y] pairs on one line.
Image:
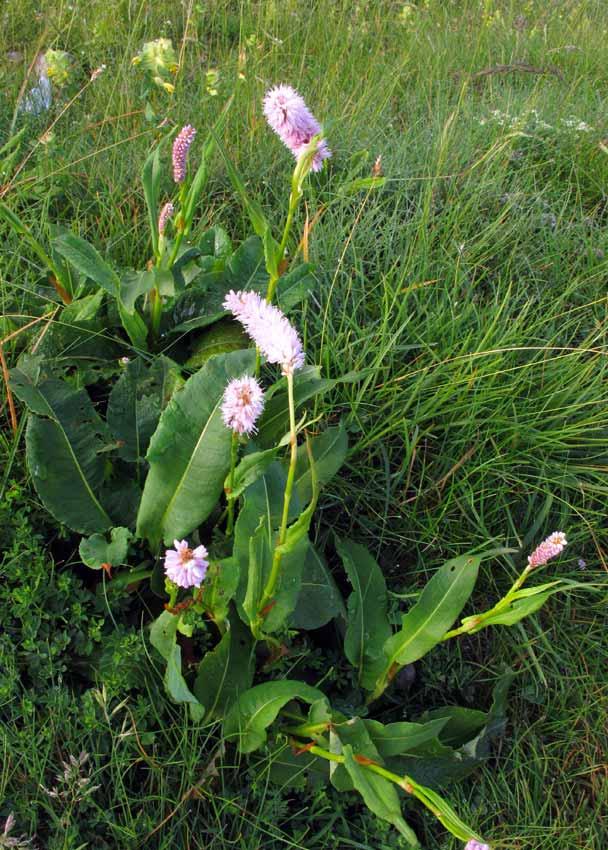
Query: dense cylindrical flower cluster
[[165, 214], [294, 123], [243, 403], [476, 845], [549, 548], [268, 327], [184, 566], [181, 146]]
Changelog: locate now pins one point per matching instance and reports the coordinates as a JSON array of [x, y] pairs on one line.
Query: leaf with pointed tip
[[395, 739], [84, 257], [367, 627], [438, 607], [248, 470], [163, 637], [189, 453], [254, 711], [379, 795]]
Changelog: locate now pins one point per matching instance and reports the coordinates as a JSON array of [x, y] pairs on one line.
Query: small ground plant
[[174, 434]]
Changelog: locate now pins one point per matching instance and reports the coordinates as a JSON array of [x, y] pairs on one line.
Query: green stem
[[156, 311], [294, 198], [403, 782], [475, 623], [234, 448], [278, 551]]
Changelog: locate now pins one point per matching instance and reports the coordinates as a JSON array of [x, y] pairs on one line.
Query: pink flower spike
[[243, 403], [549, 548], [476, 845], [268, 327], [292, 121], [181, 146], [165, 214], [184, 566]]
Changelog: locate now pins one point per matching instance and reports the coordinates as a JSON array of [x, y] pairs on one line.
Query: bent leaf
[[368, 627], [84, 257], [329, 452], [189, 453], [249, 718], [163, 637]]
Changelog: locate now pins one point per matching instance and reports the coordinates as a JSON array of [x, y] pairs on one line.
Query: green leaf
[[222, 337], [215, 242], [394, 739], [84, 257], [319, 600], [291, 769], [295, 286], [368, 627], [530, 600], [63, 450], [439, 605], [227, 671], [150, 178], [135, 327], [444, 813], [96, 551], [249, 718], [329, 452], [136, 401], [379, 795], [189, 453], [133, 284], [361, 184], [274, 422], [220, 586], [352, 733], [248, 470], [459, 724], [163, 637]]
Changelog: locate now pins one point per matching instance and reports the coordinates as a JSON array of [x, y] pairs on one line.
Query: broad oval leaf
[[438, 607], [96, 550], [63, 451], [189, 453], [249, 718], [368, 627]]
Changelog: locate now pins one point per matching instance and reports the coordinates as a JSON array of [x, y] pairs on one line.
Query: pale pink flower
[[292, 121], [549, 548], [181, 146], [243, 403], [186, 567], [165, 214], [268, 327], [476, 845]]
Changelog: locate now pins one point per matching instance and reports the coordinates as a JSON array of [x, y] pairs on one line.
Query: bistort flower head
[[476, 845], [549, 548], [292, 121], [181, 146], [186, 567], [243, 403], [165, 214], [269, 328]]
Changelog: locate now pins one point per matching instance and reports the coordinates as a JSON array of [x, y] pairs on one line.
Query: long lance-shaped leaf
[[440, 603], [189, 452], [150, 178], [89, 261], [63, 439], [368, 627]]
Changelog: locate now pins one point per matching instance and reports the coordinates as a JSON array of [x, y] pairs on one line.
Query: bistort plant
[[168, 425]]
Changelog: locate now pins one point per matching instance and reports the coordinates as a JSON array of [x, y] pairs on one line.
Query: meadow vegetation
[[467, 294]]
